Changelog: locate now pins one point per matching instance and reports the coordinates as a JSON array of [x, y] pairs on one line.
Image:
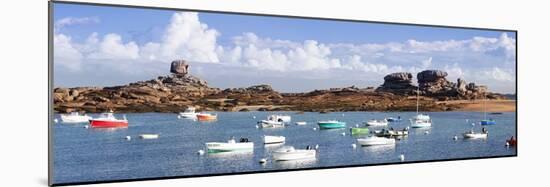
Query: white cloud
[[500, 75], [67, 21], [112, 47], [65, 53]]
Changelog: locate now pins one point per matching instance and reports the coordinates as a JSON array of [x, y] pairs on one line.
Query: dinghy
[[206, 117], [331, 124], [391, 132], [474, 135], [289, 153], [271, 124], [301, 123], [274, 139], [75, 117], [359, 130], [373, 141], [148, 136], [230, 146]]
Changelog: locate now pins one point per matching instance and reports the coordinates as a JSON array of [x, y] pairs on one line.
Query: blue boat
[[488, 122], [331, 124]]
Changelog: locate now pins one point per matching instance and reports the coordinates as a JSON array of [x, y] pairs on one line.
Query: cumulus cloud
[[186, 37]]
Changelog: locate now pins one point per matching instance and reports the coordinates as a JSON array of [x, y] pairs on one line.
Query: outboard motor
[[308, 147]]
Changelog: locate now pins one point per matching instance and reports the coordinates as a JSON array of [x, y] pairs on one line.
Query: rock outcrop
[[400, 83], [179, 67], [434, 83]]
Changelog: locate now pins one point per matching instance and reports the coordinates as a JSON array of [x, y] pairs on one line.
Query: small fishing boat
[[274, 139], [289, 153], [377, 123], [230, 146], [359, 130], [373, 141], [301, 123], [279, 118], [391, 132], [75, 117], [331, 124], [392, 119], [271, 124], [108, 120], [148, 136], [189, 113], [475, 135], [206, 117]]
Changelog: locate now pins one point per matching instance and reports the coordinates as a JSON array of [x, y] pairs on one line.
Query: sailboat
[[420, 120], [486, 121]]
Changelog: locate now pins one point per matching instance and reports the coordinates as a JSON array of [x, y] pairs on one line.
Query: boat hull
[[108, 123], [359, 130], [488, 122], [332, 125], [475, 135], [294, 155], [220, 147], [202, 117], [373, 141], [274, 139], [75, 119], [188, 115], [271, 124]]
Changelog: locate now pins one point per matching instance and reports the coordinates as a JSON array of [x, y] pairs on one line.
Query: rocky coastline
[[179, 90]]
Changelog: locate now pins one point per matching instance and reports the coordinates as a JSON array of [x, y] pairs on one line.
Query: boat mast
[[417, 97], [484, 107]]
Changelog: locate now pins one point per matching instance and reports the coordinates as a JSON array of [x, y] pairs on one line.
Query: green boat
[[359, 130], [331, 124]]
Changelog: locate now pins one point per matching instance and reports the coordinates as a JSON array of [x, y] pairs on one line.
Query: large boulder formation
[[179, 67], [434, 83], [400, 83]]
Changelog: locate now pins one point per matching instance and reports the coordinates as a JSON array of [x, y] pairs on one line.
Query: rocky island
[[179, 90]]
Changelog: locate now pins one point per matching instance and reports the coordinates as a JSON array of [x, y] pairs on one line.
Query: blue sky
[[131, 44]]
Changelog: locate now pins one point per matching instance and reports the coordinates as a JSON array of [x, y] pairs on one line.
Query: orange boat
[[206, 117]]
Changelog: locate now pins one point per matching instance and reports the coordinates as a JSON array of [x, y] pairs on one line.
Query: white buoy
[[86, 126], [179, 117], [426, 132], [507, 144], [455, 138], [253, 117], [316, 146], [200, 152], [128, 138], [353, 146], [55, 120], [402, 157], [356, 125], [343, 114], [257, 126], [314, 128], [263, 161], [343, 134]]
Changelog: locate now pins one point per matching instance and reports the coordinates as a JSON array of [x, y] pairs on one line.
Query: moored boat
[[331, 124], [511, 142], [75, 117], [488, 122], [301, 123], [359, 130], [290, 153], [279, 118], [206, 117], [189, 113], [391, 132], [392, 119], [108, 120], [274, 139], [271, 124], [476, 135], [373, 141], [377, 123], [421, 121], [230, 146], [149, 136]]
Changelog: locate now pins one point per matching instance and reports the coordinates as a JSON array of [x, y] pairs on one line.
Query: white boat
[[301, 123], [420, 120], [274, 139], [373, 140], [279, 118], [149, 136], [475, 135], [271, 124], [374, 122], [75, 117], [189, 113], [230, 146], [289, 153]]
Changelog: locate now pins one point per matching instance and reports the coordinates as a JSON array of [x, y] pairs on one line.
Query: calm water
[[83, 155]]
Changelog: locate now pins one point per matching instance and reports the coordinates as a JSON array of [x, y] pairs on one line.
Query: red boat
[[108, 120], [511, 142]]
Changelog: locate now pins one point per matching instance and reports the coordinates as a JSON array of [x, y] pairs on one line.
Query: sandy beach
[[477, 105]]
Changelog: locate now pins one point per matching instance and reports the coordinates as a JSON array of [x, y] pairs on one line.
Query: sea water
[[87, 154]]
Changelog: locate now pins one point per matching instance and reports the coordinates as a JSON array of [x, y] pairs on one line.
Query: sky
[[106, 46]]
